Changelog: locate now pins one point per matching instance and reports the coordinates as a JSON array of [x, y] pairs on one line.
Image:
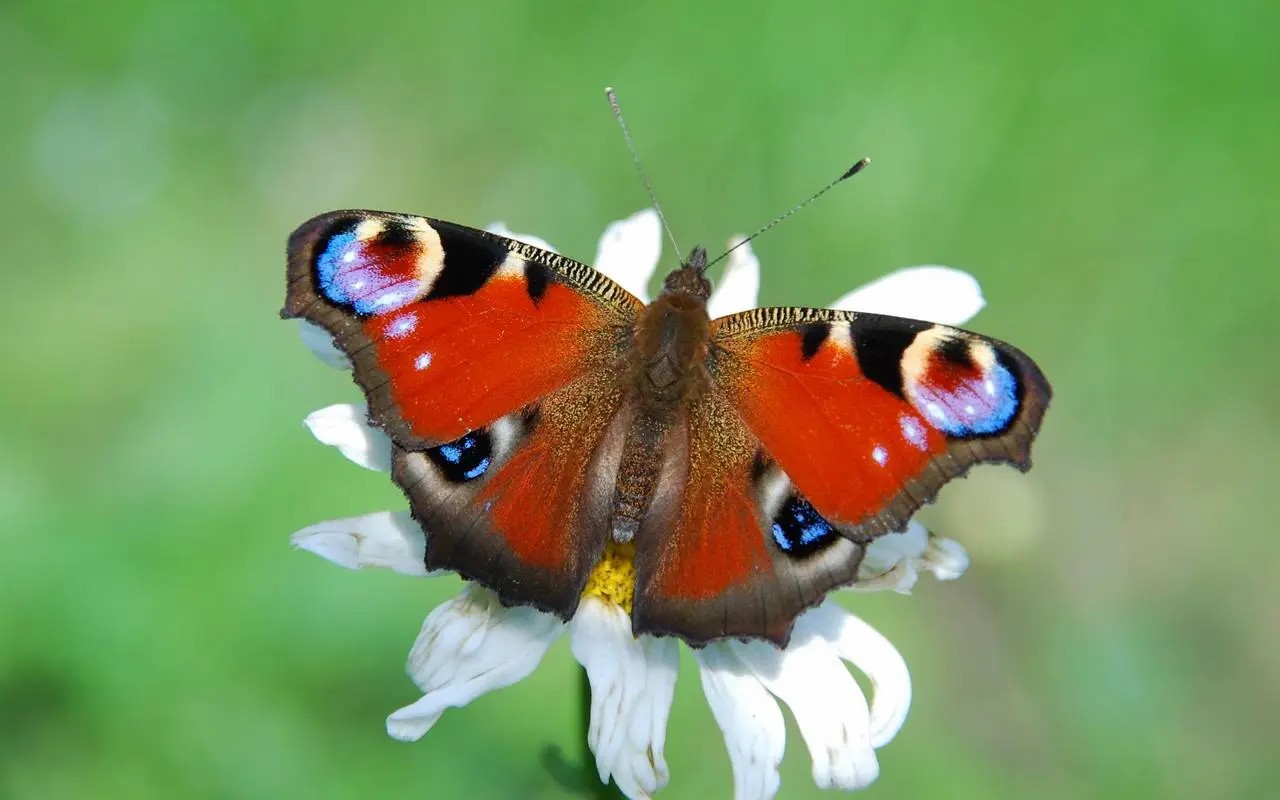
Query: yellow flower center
[[614, 578]]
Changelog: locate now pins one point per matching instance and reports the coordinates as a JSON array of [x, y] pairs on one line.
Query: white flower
[[472, 645]]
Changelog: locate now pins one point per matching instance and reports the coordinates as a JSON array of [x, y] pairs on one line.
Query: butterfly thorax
[[667, 358], [668, 355], [668, 368]]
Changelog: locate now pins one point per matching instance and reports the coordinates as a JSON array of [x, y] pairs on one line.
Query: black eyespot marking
[[530, 417], [469, 263], [340, 226], [812, 336], [758, 465], [465, 459], [395, 233], [343, 229], [535, 276], [956, 351], [799, 530], [1015, 371], [880, 352], [351, 275]]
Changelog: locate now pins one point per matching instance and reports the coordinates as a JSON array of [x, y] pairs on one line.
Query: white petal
[[632, 683], [935, 294], [894, 561], [857, 642], [945, 558], [470, 645], [749, 717], [629, 251], [319, 341], [501, 229], [890, 561], [739, 287], [346, 427], [391, 540], [902, 578], [829, 708], [886, 551]]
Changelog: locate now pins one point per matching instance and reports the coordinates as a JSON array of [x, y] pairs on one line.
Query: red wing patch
[[458, 363], [716, 542]]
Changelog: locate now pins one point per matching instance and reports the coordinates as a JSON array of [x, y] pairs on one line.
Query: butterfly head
[[691, 278]]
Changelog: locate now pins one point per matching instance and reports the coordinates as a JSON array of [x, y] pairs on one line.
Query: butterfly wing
[[493, 367], [821, 430], [870, 415]]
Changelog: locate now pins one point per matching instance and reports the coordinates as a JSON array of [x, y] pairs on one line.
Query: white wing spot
[[389, 299], [402, 326], [422, 361], [912, 432], [880, 455]]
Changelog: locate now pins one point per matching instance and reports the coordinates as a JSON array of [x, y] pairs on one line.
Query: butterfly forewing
[[449, 328], [869, 415]]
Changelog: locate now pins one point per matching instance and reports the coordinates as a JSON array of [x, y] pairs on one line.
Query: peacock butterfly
[[538, 410]]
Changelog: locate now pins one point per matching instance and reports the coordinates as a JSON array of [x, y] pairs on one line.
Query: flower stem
[[591, 779]]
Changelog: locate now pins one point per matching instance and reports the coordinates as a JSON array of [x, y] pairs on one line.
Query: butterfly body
[[668, 365], [537, 410]]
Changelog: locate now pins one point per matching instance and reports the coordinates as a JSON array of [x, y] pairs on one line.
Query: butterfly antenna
[[849, 173], [644, 176]]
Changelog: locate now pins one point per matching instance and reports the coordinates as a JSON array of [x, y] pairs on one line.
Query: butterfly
[[538, 411]]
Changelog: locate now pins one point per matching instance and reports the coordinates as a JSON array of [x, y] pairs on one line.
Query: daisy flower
[[471, 644]]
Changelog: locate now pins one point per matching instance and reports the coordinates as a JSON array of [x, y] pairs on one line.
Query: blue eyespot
[[464, 459], [799, 530], [477, 470], [349, 274], [329, 264], [979, 406]]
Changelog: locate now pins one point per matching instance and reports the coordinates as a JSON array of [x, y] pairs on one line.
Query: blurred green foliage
[[1109, 172]]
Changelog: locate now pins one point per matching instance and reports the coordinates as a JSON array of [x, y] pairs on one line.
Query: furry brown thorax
[[672, 335]]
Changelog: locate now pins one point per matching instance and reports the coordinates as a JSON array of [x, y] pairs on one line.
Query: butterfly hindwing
[[523, 505], [870, 415], [730, 549], [494, 368]]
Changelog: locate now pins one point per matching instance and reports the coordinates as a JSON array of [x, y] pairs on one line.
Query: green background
[[1108, 171]]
